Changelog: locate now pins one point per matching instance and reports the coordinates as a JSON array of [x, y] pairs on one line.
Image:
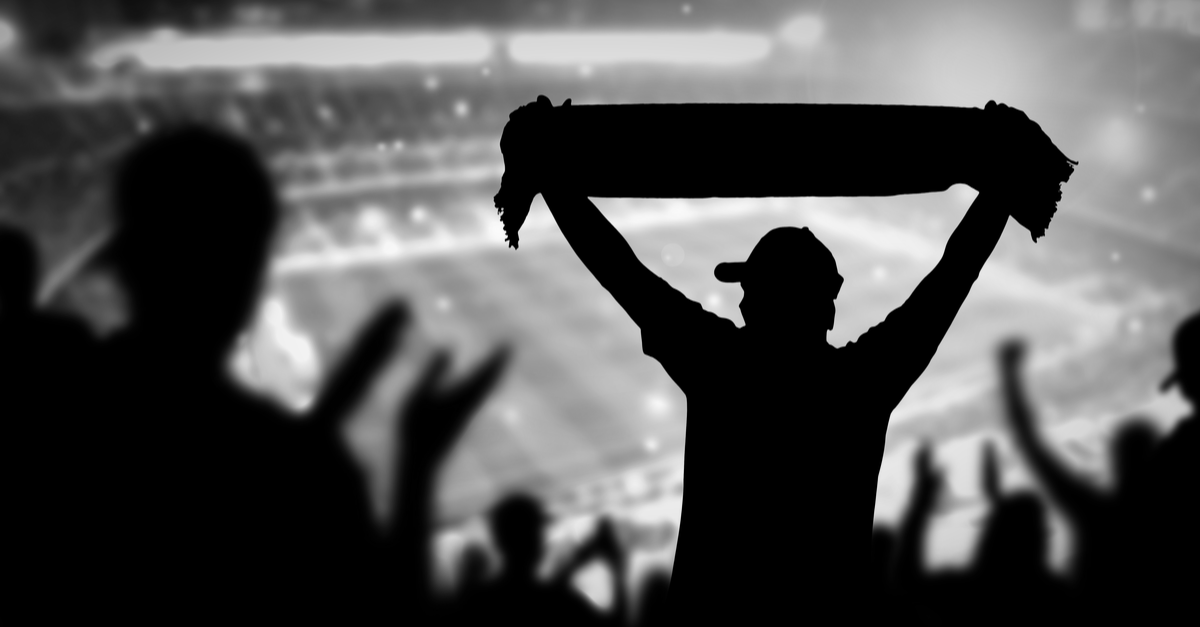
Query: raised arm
[[670, 322], [602, 544], [914, 525], [604, 251], [896, 351], [1071, 492], [433, 418]]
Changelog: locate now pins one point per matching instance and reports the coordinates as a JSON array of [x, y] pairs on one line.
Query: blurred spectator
[[1007, 581], [1105, 522], [39, 350], [654, 607], [214, 499], [432, 419], [474, 570], [518, 526]]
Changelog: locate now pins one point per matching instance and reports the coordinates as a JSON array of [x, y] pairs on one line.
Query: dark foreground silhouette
[[142, 485], [761, 398], [1134, 544]]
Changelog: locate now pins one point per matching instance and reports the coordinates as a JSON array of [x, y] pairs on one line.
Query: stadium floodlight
[[313, 50], [715, 48], [803, 32]]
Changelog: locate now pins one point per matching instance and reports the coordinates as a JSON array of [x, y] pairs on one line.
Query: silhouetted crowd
[[143, 484]]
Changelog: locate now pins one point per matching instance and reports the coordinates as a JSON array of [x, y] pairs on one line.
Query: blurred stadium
[[382, 120]]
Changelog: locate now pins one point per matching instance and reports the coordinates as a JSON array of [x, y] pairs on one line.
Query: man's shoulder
[[1182, 442]]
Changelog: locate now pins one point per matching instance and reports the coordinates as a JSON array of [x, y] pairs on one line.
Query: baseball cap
[[1187, 342], [786, 254]]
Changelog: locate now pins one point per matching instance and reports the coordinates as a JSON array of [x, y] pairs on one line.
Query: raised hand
[[533, 153], [915, 524], [928, 483], [437, 413], [431, 421], [1022, 167], [375, 344], [1011, 358], [1074, 494], [327, 484], [603, 542]]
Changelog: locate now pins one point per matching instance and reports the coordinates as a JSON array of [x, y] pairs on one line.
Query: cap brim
[[730, 272]]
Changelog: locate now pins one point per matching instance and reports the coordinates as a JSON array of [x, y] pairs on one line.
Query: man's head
[[195, 211], [790, 281], [517, 525], [1186, 348]]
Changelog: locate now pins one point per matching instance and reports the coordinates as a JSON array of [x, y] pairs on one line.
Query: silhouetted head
[[517, 524], [790, 281], [473, 568], [1132, 451], [655, 608], [196, 211], [18, 273], [1014, 542], [1186, 348]]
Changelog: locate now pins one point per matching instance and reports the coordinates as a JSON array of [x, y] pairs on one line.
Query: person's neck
[[791, 336]]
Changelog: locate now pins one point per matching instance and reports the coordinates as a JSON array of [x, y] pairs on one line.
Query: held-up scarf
[[770, 150]]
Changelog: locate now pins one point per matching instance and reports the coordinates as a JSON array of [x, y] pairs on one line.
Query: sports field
[[585, 419]]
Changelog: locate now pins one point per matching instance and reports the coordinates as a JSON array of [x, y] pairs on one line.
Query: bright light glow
[[968, 63], [657, 404], [715, 48], [314, 50], [803, 31], [8, 35], [1120, 143], [673, 254]]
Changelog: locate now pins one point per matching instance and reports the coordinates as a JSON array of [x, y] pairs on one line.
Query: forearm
[[973, 242], [620, 612], [597, 243], [1069, 491], [410, 538]]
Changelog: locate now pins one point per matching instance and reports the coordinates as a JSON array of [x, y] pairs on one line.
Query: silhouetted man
[[39, 350], [785, 432], [1182, 445], [1173, 521], [214, 499]]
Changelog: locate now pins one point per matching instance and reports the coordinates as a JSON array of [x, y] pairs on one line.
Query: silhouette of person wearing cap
[[1173, 518], [1135, 542], [784, 429]]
